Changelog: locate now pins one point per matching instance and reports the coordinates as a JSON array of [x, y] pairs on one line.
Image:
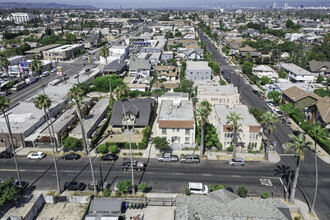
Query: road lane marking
[[11, 170], [270, 177], [237, 176], [207, 174], [150, 172], [179, 173]]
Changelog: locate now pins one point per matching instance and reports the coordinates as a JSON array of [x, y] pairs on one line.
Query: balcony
[[128, 121]]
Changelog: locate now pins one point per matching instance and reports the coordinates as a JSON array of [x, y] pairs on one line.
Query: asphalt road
[[280, 135]]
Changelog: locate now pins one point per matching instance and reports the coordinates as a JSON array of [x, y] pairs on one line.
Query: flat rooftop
[[183, 111], [296, 69], [39, 49], [191, 65], [65, 48], [216, 90]]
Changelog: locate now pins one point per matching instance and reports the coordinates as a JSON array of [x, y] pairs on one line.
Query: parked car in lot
[[137, 165], [109, 157], [198, 188], [236, 162], [270, 104], [98, 185], [23, 186], [74, 186], [277, 112], [194, 158], [71, 156], [6, 155], [168, 158], [36, 155]]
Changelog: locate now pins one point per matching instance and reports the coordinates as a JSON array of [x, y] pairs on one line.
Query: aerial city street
[[165, 110]]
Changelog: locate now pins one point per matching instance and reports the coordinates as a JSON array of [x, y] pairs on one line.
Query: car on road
[[83, 64], [6, 155], [71, 156], [36, 155], [277, 112], [98, 185], [74, 186], [109, 157], [236, 162], [198, 188], [247, 82], [193, 158], [228, 80], [53, 70], [5, 93], [286, 122], [24, 184], [137, 165], [168, 158], [270, 104], [44, 74]]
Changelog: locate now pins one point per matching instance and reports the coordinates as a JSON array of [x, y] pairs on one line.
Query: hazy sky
[[158, 3]]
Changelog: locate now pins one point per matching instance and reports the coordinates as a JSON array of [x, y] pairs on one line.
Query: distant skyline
[[180, 3]]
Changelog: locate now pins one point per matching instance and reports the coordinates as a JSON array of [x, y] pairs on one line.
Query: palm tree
[[286, 174], [121, 92], [319, 132], [203, 111], [36, 64], [297, 144], [233, 119], [4, 63], [105, 53], [269, 119], [76, 93], [43, 102], [4, 103]]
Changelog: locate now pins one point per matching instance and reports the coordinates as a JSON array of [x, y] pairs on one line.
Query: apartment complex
[[198, 71], [62, 53], [20, 17], [226, 94]]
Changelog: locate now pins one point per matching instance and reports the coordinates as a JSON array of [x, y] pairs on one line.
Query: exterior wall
[[60, 55], [213, 99], [198, 74], [165, 57], [299, 78], [171, 134]]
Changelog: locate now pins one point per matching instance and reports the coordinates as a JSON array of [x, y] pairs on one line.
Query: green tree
[[322, 92], [233, 119], [203, 111], [7, 190], [143, 186], [275, 96], [36, 64], [247, 68], [319, 79], [282, 74], [72, 143], [178, 34], [43, 102], [257, 113], [169, 34], [124, 186], [121, 92], [101, 83], [264, 80], [4, 64], [161, 144], [112, 149], [297, 145], [70, 38], [242, 191], [211, 136], [269, 119]]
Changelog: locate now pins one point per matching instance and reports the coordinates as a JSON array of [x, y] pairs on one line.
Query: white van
[[54, 82], [198, 188]]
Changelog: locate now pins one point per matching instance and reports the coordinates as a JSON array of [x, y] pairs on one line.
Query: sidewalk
[[323, 155]]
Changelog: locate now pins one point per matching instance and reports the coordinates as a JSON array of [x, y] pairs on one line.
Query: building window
[[187, 139], [191, 72], [173, 129], [178, 130], [187, 131], [253, 136], [163, 130]]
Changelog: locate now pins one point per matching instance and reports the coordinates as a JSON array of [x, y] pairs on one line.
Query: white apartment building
[[226, 94], [249, 134], [20, 17], [297, 74], [264, 70], [198, 71], [115, 52], [176, 123]]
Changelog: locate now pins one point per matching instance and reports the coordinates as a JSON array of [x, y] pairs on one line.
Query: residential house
[[190, 54], [116, 66], [168, 86], [92, 41], [115, 52], [139, 68], [222, 204], [297, 74], [226, 94], [319, 67], [176, 122], [198, 71], [323, 112], [264, 70], [249, 134], [299, 97], [167, 73], [166, 55], [134, 112]]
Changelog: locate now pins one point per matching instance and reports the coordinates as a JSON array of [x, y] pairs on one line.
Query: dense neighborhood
[[237, 100]]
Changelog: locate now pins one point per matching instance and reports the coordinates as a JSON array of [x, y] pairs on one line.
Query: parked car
[[198, 188], [270, 104], [36, 155], [98, 185], [74, 186], [247, 82], [23, 186], [277, 112], [236, 162], [168, 158], [194, 158], [6, 155], [137, 165], [53, 70], [71, 156], [44, 74], [5, 93], [109, 157], [286, 122]]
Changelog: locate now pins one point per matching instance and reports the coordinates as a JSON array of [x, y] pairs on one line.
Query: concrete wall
[[37, 206]]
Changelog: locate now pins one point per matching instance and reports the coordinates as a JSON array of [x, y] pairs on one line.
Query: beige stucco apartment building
[[226, 94]]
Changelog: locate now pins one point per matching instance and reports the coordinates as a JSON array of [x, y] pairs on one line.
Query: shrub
[[264, 195], [297, 218], [187, 192], [106, 192], [126, 146], [242, 191], [124, 186], [144, 140], [140, 154], [112, 149], [142, 145], [230, 148], [143, 186], [216, 187], [118, 194], [102, 149], [71, 142], [264, 80]]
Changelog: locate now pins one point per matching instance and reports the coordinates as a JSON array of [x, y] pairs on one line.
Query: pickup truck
[[168, 158], [137, 165]]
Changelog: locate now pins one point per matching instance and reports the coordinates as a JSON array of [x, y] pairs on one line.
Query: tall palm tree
[[269, 119], [121, 92], [36, 64], [287, 175], [233, 119], [76, 93], [43, 102], [203, 111], [105, 52], [297, 144], [319, 132], [4, 103], [4, 63]]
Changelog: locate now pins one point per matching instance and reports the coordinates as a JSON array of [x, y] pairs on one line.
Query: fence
[[152, 201], [36, 208]]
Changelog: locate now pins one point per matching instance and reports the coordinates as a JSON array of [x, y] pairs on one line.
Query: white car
[[247, 82], [36, 155], [198, 188], [53, 70], [277, 112], [236, 162], [270, 105]]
